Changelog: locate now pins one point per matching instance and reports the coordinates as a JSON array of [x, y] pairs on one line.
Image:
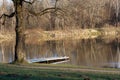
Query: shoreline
[[39, 35]]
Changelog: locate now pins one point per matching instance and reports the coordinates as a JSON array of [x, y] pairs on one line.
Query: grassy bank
[[28, 72], [62, 34], [7, 36], [40, 35], [71, 34]]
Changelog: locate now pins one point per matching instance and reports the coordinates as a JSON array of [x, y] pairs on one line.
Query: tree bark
[[20, 38]]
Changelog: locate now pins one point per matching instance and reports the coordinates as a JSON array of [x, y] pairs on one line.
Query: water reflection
[[91, 52], [6, 52]]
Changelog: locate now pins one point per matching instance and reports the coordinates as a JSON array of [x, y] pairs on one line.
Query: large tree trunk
[[19, 47]]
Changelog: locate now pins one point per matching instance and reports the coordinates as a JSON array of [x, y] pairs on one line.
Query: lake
[[85, 52]]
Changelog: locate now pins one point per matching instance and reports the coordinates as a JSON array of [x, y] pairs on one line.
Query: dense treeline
[[69, 14]]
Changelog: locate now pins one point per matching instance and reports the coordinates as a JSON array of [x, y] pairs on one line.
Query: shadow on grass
[[5, 76]]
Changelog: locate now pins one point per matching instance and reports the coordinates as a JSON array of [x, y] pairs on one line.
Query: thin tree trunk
[[3, 53]]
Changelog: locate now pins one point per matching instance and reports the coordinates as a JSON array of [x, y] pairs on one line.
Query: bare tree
[[20, 29], [113, 8]]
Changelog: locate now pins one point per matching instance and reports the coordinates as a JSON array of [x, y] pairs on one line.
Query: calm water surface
[[91, 52]]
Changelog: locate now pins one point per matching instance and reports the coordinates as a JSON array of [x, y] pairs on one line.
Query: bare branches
[[47, 10], [5, 15], [29, 2], [11, 15], [56, 4], [54, 10]]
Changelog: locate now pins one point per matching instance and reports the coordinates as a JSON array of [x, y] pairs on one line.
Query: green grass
[[13, 72], [70, 66]]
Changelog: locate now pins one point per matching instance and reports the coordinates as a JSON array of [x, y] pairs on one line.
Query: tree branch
[[48, 10], [6, 15]]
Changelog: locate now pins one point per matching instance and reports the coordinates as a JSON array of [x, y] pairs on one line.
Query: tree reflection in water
[[91, 52]]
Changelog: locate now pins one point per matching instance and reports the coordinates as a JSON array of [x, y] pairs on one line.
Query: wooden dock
[[53, 60]]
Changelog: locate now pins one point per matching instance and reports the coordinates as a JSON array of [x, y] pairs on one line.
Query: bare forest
[[69, 14]]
